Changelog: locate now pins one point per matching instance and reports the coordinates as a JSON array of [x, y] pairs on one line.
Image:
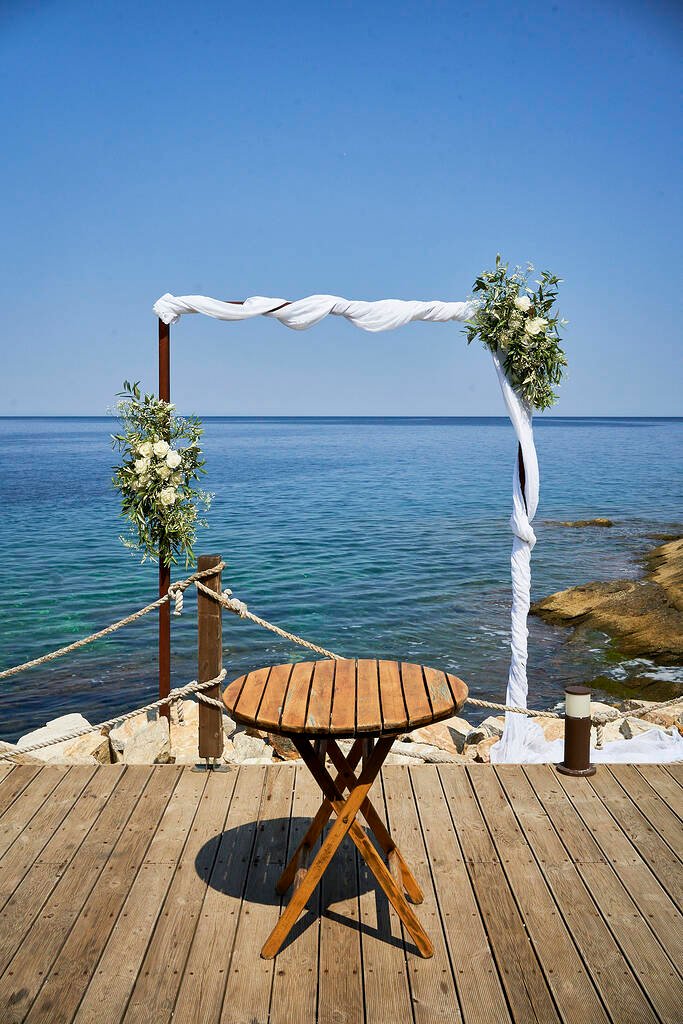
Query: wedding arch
[[385, 315]]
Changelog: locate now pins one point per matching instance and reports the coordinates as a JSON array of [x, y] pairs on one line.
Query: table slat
[[270, 711], [296, 702], [249, 699], [320, 703], [439, 692], [343, 718], [368, 713], [391, 696]]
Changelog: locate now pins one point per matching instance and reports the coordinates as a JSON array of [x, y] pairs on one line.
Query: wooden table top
[[344, 698]]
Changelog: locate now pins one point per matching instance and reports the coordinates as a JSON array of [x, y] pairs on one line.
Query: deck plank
[[564, 970], [14, 779], [523, 980], [133, 897], [68, 976], [120, 818], [168, 950], [208, 964], [123, 947], [340, 975], [31, 841], [666, 788], [611, 886], [432, 986], [478, 984], [295, 982], [620, 992], [249, 983], [385, 977], [28, 803]]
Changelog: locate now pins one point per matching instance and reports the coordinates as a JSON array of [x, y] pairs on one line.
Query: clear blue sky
[[365, 149]]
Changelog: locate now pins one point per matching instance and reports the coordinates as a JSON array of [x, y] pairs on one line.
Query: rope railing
[[175, 589], [232, 604], [190, 689]]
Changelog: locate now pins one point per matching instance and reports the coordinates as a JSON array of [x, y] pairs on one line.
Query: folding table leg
[[318, 824], [345, 823]]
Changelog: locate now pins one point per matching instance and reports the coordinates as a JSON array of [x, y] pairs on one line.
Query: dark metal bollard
[[577, 732]]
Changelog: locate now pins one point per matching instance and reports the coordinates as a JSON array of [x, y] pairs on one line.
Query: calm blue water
[[384, 537]]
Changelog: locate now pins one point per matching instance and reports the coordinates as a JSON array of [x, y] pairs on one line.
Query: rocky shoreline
[[148, 739], [644, 617]]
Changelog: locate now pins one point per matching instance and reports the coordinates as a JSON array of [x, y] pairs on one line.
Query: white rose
[[164, 472], [523, 302], [177, 478], [173, 459], [168, 496], [535, 325], [161, 448], [141, 466], [145, 449]]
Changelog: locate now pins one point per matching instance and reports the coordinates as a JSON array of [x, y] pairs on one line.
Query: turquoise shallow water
[[384, 537]]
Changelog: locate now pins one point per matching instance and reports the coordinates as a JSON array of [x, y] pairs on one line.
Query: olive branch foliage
[[526, 336], [158, 488]]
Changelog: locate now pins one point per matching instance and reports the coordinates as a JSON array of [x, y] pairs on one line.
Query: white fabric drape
[[523, 739]]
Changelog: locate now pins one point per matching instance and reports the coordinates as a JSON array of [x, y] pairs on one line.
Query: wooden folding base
[[394, 880]]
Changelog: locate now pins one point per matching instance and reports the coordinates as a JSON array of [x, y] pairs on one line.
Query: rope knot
[[234, 604], [175, 592]]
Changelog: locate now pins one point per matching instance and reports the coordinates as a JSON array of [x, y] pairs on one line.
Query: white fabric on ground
[[523, 740], [656, 746]]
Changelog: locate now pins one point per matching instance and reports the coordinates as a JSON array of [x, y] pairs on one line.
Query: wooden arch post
[[164, 561]]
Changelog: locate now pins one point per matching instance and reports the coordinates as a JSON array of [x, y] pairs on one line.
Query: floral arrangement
[[518, 322], [161, 464]]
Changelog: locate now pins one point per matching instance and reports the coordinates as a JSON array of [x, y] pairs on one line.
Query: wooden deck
[[144, 895]]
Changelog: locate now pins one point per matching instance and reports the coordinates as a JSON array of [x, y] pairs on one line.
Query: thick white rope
[[174, 590], [183, 691]]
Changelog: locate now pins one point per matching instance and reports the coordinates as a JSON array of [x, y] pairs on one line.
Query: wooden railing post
[[210, 648]]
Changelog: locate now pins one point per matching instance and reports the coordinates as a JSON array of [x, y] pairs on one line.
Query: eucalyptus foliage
[[157, 477], [520, 324]]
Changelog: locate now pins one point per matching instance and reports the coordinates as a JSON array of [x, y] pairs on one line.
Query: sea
[[374, 537]]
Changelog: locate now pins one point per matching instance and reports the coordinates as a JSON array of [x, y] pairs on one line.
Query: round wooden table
[[315, 703]]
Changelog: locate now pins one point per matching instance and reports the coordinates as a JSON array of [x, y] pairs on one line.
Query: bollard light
[[577, 732]]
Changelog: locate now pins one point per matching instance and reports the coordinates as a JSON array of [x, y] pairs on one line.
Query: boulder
[[449, 735], [93, 748], [598, 708], [121, 734], [494, 725], [17, 756], [553, 728], [149, 745], [283, 747], [248, 747], [53, 728], [484, 749], [631, 727]]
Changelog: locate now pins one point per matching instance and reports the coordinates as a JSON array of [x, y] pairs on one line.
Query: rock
[[494, 726], [598, 708], [17, 756], [600, 521], [229, 725], [92, 748], [631, 727], [553, 728], [185, 745], [449, 735], [149, 745], [120, 734], [283, 747], [53, 728], [476, 735], [644, 616], [484, 749], [259, 733], [248, 747]]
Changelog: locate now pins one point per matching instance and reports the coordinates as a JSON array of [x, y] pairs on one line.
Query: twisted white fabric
[[370, 316]]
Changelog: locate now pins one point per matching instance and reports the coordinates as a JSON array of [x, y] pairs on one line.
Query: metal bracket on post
[[210, 658]]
